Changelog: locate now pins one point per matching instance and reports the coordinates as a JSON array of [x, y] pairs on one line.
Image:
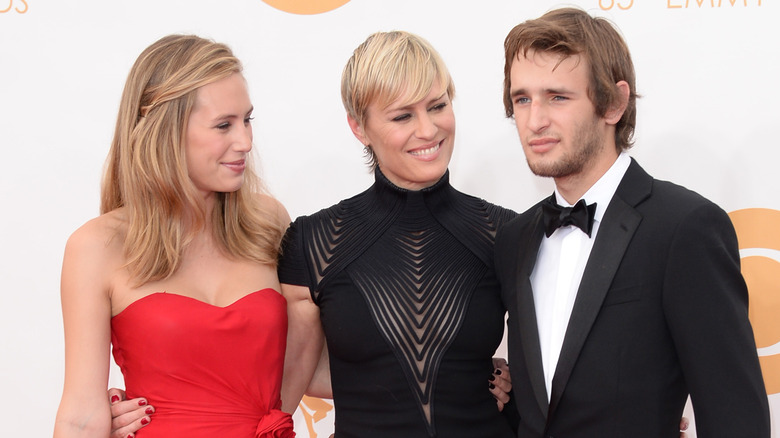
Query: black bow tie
[[555, 216]]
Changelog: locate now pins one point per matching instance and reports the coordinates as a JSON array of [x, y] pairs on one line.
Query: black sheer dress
[[410, 307]]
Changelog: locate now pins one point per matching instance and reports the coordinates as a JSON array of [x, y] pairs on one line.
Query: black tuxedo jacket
[[661, 312]]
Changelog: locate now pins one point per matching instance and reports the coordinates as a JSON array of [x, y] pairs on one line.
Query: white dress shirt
[[559, 267]]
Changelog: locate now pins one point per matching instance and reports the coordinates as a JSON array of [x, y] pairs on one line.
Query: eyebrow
[[523, 91], [443, 93], [234, 116], [409, 105]]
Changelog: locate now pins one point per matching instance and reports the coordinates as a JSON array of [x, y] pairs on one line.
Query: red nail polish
[[144, 421], [114, 398], [141, 402], [149, 411]]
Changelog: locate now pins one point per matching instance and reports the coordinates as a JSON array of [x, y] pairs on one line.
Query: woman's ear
[[357, 130], [614, 114]]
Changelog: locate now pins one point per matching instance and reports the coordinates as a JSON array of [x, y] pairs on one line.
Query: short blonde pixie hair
[[389, 66]]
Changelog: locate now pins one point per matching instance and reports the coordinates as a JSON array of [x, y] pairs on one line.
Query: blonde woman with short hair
[[398, 280]]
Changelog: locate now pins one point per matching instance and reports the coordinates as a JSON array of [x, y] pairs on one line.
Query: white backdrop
[[708, 71]]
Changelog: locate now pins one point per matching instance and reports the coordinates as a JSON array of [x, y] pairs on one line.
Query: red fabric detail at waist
[[276, 424]]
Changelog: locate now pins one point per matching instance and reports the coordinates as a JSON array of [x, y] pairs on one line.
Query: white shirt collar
[[602, 191]]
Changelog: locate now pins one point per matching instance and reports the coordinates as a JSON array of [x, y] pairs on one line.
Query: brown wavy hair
[[146, 170], [572, 32]]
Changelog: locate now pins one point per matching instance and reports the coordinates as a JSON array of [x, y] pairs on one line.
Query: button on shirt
[[559, 267]]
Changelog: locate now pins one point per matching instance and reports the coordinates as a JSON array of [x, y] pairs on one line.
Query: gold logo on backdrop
[[18, 6], [606, 5], [305, 7], [680, 4], [758, 231], [314, 410]]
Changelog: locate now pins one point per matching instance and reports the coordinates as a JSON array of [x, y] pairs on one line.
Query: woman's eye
[[439, 107], [401, 118], [248, 120], [223, 126]]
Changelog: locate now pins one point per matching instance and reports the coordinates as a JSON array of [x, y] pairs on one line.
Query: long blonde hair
[[146, 170]]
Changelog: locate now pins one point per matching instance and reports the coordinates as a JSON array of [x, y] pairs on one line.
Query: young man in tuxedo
[[624, 292]]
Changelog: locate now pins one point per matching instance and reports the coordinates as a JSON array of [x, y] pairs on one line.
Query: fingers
[[128, 410], [128, 416], [499, 387], [501, 379], [500, 382], [116, 394], [503, 366], [499, 362]]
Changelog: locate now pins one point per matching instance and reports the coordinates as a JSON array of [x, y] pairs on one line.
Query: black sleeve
[[292, 262]]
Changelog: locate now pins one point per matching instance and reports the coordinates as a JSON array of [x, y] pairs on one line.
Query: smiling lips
[[428, 152], [236, 166]]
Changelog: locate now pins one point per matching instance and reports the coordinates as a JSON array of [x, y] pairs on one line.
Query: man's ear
[[614, 114], [357, 130]]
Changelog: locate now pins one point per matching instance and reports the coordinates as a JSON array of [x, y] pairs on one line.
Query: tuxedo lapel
[[531, 235], [615, 232]]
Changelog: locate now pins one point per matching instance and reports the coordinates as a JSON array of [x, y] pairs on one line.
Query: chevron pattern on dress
[[341, 235], [417, 280]]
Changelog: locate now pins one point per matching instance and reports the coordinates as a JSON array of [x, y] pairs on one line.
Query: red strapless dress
[[208, 371]]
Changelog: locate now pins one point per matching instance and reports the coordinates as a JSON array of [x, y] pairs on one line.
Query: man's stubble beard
[[573, 161]]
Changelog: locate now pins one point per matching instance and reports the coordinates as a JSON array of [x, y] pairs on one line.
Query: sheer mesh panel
[[415, 257], [417, 280]]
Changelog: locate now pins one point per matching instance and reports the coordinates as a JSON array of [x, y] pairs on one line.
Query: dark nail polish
[[491, 386], [498, 372], [492, 378]]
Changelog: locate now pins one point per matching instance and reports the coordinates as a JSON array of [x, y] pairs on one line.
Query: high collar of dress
[[391, 193]]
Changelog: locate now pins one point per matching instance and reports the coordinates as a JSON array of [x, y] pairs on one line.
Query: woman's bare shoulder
[[269, 203], [94, 255], [100, 236]]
